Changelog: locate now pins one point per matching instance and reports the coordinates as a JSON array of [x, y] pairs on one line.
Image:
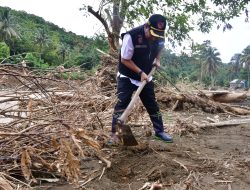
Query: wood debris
[[48, 125]]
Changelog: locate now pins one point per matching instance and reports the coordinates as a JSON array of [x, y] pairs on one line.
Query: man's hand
[[157, 63], [144, 76]]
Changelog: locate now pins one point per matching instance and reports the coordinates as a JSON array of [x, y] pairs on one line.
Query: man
[[141, 47]]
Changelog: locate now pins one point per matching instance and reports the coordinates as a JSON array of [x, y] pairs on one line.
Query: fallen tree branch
[[181, 164], [108, 163], [226, 123]]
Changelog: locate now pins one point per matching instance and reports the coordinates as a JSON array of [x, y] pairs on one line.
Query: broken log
[[205, 103], [226, 96], [226, 123]]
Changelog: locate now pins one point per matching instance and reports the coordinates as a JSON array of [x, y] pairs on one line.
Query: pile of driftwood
[[48, 125]]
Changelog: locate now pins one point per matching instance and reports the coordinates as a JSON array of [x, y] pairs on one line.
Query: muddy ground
[[211, 158]]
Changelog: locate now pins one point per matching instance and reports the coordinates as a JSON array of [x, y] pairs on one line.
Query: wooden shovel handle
[[127, 111]]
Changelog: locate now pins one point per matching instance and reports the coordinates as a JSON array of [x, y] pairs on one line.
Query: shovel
[[124, 131]]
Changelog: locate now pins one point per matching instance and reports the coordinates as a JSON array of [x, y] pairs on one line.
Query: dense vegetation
[[43, 45], [204, 65]]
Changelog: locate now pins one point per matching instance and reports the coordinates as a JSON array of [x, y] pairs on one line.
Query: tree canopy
[[183, 16], [7, 31]]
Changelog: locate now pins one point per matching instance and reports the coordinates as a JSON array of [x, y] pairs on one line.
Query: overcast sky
[[66, 14]]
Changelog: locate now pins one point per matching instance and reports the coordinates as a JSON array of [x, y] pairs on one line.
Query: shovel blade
[[126, 135]]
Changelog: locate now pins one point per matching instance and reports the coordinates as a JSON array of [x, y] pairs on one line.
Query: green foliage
[[41, 38], [100, 41], [53, 44], [4, 51], [87, 61], [34, 60], [222, 76], [181, 15], [192, 67], [235, 65], [208, 59], [87, 57], [7, 31], [244, 74], [178, 67], [14, 59], [245, 57]]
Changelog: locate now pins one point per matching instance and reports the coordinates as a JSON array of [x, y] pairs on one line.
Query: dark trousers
[[125, 90]]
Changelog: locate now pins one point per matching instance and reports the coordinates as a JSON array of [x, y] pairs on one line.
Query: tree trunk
[[112, 43], [114, 21], [201, 70], [212, 80], [226, 97], [248, 73], [207, 104]]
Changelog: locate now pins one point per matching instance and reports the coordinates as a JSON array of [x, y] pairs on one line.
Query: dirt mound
[[217, 158]]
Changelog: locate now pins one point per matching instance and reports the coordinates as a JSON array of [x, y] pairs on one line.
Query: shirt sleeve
[[127, 49], [161, 44]]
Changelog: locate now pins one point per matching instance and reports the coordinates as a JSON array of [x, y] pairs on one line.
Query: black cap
[[157, 24]]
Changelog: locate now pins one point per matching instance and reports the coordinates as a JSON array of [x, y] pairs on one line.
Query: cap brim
[[158, 34]]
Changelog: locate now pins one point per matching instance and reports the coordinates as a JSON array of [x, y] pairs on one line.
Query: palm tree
[[235, 64], [199, 51], [7, 30], [245, 59], [63, 51], [41, 39], [211, 61]]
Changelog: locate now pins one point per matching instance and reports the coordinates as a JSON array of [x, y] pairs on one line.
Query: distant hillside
[[53, 44]]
